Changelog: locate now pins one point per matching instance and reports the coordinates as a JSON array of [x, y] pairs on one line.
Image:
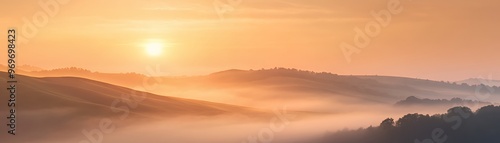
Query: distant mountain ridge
[[415, 101], [479, 81], [123, 79]]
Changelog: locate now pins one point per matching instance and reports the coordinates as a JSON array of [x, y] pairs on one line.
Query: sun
[[154, 49]]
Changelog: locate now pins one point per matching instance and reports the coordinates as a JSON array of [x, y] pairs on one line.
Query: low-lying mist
[[259, 107]]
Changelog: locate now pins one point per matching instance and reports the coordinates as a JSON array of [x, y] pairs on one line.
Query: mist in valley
[[279, 106]]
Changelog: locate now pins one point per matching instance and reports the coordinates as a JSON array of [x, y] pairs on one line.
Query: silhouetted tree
[[458, 125]]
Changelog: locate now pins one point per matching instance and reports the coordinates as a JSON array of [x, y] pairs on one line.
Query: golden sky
[[442, 40]]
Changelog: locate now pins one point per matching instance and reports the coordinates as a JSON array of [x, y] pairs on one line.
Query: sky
[[439, 40]]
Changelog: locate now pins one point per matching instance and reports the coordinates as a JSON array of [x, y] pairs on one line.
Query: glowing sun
[[154, 49]]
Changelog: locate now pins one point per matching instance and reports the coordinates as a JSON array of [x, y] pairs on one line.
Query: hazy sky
[[442, 40]]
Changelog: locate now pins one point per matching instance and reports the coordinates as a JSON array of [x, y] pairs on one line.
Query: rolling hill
[[246, 87], [47, 107]]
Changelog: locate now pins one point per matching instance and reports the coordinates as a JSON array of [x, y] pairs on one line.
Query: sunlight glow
[[154, 49]]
